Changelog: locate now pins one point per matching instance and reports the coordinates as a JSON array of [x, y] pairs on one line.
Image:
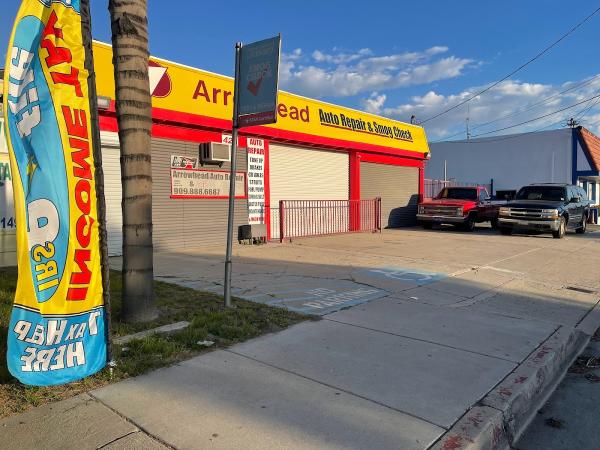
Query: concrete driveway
[[417, 328]]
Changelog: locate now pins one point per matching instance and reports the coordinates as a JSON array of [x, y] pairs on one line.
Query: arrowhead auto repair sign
[[197, 92], [57, 329], [187, 181]]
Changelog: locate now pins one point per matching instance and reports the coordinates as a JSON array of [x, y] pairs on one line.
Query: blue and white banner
[[57, 329]]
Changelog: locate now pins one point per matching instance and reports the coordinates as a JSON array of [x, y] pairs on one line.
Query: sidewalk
[[447, 331], [77, 423]]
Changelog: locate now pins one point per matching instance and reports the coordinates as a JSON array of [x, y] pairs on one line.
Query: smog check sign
[[258, 80]]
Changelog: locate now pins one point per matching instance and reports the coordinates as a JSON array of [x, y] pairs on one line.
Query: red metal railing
[[301, 218]]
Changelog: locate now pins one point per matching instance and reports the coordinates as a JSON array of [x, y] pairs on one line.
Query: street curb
[[589, 324], [520, 395], [504, 413], [481, 427]]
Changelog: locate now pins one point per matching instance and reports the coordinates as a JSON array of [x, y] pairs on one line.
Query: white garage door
[[398, 187], [298, 173], [112, 191]]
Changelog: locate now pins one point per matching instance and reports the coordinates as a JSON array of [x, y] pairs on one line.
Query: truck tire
[[562, 228], [494, 222], [469, 224], [583, 226], [506, 231], [427, 225]]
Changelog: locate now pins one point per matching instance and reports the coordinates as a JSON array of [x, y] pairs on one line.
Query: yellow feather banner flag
[[57, 331]]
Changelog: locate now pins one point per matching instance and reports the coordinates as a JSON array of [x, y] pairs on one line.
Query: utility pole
[[467, 121]]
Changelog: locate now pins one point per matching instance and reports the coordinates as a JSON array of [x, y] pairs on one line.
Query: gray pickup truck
[[550, 207]]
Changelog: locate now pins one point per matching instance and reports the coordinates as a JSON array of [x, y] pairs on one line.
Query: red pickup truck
[[461, 206]]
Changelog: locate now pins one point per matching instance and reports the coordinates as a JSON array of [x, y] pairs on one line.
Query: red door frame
[[357, 157]]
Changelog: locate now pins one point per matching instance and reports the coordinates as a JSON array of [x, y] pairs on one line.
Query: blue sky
[[396, 58]]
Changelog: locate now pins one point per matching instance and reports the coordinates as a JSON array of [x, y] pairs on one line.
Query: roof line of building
[[195, 69], [591, 144]]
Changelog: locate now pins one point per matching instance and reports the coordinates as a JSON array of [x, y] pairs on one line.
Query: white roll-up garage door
[[111, 166], [398, 187], [298, 173]]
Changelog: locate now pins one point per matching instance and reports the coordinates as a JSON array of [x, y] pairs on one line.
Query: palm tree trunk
[[134, 117]]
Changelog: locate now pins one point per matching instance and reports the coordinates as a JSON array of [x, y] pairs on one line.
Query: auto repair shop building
[[315, 151]]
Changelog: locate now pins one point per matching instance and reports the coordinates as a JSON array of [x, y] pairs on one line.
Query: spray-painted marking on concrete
[[327, 298], [418, 277], [320, 298], [300, 294]]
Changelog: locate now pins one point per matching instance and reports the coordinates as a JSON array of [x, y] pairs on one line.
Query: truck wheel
[[506, 231], [562, 228], [469, 225], [427, 225], [494, 223], [583, 226]]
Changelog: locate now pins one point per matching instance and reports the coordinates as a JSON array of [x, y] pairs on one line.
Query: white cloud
[[518, 101], [340, 73], [295, 55], [437, 49], [593, 123], [340, 58], [374, 103]]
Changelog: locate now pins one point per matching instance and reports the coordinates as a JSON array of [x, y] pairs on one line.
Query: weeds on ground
[[209, 320]]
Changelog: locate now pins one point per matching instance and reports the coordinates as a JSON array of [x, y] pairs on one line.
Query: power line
[[528, 107], [581, 114], [539, 117], [538, 130], [534, 105], [522, 66]]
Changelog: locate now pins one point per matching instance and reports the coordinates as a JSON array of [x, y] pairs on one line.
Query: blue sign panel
[[258, 80]]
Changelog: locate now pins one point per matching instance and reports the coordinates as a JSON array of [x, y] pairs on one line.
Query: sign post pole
[[232, 174], [254, 103]]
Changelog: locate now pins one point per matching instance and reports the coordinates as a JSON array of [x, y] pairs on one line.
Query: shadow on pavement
[[418, 327], [392, 371]]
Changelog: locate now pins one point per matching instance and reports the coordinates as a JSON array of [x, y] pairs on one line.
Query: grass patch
[[205, 311]]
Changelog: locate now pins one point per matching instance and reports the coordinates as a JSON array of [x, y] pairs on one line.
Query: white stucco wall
[[512, 161]]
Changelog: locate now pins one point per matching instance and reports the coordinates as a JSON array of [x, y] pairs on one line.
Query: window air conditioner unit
[[215, 153]]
